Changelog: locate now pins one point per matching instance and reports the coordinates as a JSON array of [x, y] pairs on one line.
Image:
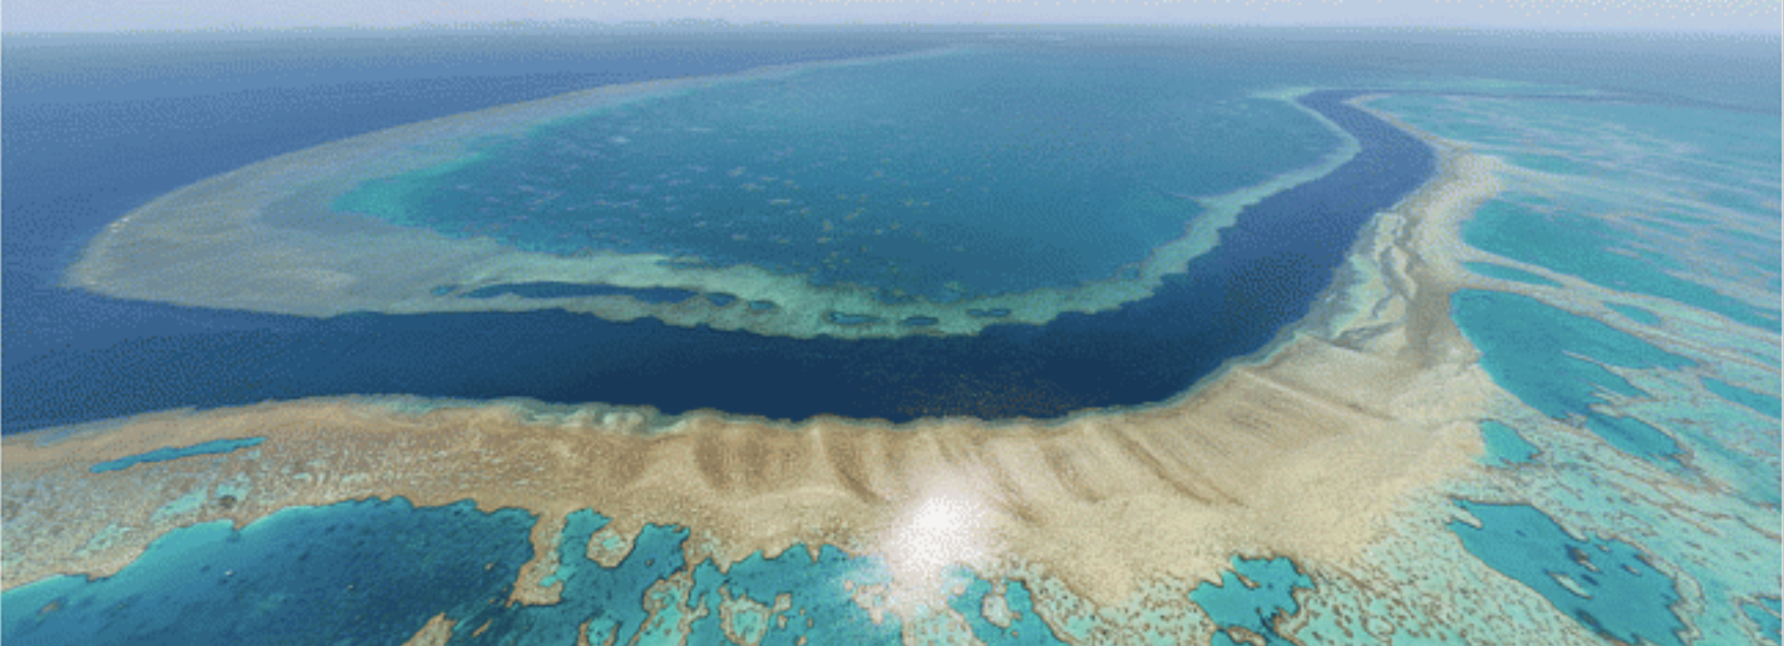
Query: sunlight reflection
[[936, 533]]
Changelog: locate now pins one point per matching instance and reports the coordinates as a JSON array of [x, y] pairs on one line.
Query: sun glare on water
[[938, 532]]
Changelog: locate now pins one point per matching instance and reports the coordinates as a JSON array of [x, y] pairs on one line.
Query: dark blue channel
[[1264, 275]]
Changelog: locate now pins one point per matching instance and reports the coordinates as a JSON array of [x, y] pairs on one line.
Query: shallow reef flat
[[1637, 337], [331, 230], [1105, 517]]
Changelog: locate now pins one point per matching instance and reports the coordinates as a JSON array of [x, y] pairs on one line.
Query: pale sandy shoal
[[1308, 450]]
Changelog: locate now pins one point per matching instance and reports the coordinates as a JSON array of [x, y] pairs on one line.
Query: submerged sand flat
[[1330, 442], [263, 238]]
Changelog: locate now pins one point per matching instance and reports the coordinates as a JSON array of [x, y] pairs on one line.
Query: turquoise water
[[611, 599], [572, 290], [1503, 272], [1636, 314], [1571, 136], [174, 453], [1766, 616], [1266, 591], [1766, 405], [373, 572], [1676, 191], [1747, 139], [1025, 626], [938, 177], [1548, 163], [1679, 200], [1546, 356], [1465, 127], [1505, 445], [1614, 590], [353, 573], [646, 596], [820, 601], [1568, 242]]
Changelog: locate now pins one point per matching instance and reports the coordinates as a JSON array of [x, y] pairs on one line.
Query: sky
[[1571, 15]]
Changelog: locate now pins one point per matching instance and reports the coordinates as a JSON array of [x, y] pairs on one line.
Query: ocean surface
[[1629, 307], [135, 357], [1263, 276], [991, 170], [161, 114]]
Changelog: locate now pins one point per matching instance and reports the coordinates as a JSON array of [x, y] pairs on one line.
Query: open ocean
[[1676, 374]]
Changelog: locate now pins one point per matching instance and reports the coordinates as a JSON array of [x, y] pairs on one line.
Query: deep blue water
[[1263, 276], [96, 126]]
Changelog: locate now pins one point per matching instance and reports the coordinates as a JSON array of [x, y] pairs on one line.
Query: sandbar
[[1311, 449]]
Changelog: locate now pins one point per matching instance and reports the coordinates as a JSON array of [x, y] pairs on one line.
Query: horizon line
[[703, 24]]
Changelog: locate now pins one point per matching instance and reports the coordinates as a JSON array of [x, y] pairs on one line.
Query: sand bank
[[1310, 450]]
